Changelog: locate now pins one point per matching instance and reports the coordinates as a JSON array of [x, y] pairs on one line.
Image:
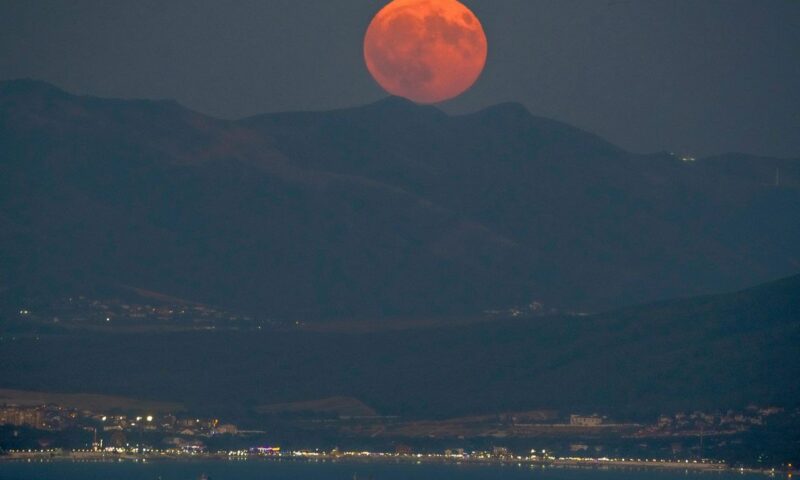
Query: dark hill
[[714, 352], [599, 226], [150, 194], [387, 209]]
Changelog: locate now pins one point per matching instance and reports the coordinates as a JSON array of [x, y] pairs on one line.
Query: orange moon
[[427, 51]]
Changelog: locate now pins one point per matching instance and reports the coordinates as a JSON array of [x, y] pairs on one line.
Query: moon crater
[[425, 50]]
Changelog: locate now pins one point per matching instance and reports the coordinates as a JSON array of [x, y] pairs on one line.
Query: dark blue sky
[[693, 76]]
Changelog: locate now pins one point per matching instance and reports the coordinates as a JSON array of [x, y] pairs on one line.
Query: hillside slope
[[383, 210], [600, 227], [152, 195], [716, 352]]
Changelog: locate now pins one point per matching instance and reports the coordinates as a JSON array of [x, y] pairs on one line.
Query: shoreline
[[384, 458]]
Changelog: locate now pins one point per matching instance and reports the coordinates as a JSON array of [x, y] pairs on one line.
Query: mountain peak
[[507, 109], [400, 105], [395, 102]]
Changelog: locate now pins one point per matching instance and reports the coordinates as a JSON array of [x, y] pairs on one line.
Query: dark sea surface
[[246, 470]]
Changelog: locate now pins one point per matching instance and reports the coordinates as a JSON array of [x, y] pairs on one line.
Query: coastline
[[706, 466]]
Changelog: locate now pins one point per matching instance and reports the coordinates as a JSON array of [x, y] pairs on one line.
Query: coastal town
[[143, 311], [38, 425], [687, 440]]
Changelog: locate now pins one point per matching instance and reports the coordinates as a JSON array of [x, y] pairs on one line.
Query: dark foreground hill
[[714, 352], [388, 209]]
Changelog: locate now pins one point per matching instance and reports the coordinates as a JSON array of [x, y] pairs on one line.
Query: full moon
[[427, 51]]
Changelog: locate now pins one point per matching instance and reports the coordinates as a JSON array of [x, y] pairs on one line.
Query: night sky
[[697, 77]]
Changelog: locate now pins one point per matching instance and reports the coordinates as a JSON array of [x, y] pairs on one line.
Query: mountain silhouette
[[383, 210]]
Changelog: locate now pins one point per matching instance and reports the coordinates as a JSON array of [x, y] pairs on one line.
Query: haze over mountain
[[382, 210]]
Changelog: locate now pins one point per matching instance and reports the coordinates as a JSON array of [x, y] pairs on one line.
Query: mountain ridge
[[387, 209]]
